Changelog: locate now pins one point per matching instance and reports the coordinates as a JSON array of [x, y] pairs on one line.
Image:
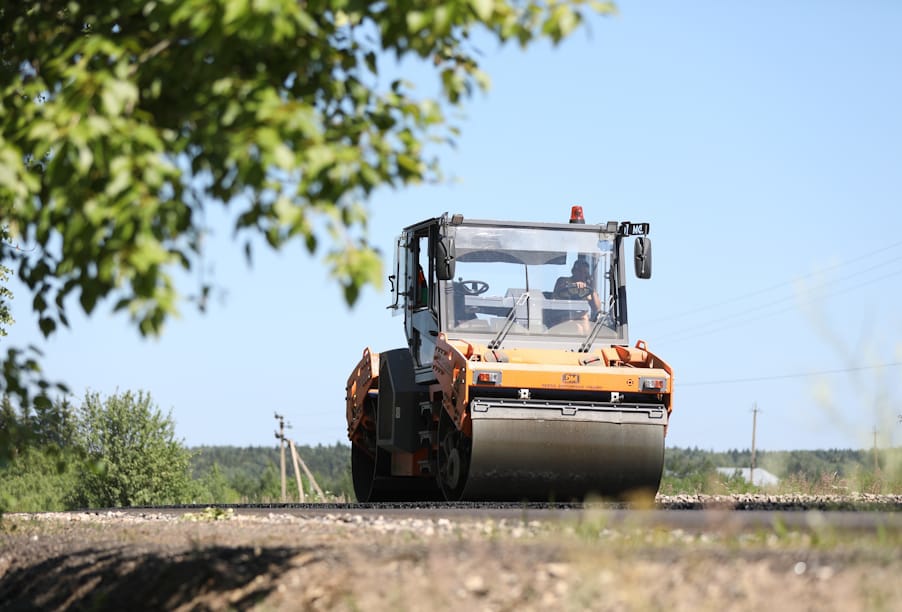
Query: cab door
[[421, 301]]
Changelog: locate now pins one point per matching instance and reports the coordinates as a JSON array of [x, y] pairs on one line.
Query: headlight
[[487, 377], [653, 384]]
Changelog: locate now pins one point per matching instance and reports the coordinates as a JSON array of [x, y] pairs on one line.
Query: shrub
[[133, 456]]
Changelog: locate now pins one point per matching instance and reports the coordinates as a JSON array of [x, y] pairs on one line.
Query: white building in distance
[[763, 478]]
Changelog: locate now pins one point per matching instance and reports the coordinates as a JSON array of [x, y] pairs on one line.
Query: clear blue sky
[[762, 141]]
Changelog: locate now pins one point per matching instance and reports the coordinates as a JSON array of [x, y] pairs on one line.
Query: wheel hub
[[452, 469]]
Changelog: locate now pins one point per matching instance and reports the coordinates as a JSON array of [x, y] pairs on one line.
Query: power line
[[835, 292], [786, 376], [705, 329], [710, 306]]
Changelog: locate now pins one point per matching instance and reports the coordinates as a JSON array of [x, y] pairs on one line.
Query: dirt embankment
[[348, 562]]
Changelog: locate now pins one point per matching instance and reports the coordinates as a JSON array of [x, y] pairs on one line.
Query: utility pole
[[280, 436], [754, 427], [876, 462], [298, 460], [297, 471]]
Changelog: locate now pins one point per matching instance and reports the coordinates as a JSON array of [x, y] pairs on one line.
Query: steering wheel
[[573, 292], [473, 287]]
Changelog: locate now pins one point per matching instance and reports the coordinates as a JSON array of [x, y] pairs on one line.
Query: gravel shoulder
[[215, 560]]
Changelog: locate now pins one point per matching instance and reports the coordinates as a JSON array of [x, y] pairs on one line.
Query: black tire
[[363, 473], [453, 459], [373, 482]]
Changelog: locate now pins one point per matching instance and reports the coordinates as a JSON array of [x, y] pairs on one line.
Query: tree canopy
[[121, 121]]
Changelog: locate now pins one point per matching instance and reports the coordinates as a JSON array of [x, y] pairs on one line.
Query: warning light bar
[[576, 215]]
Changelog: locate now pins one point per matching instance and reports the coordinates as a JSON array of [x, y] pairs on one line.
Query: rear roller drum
[[373, 481], [363, 473]]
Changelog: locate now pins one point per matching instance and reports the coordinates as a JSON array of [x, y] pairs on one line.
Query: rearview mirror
[[444, 258], [642, 257]]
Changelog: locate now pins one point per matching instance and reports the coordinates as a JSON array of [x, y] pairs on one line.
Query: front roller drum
[[562, 452]]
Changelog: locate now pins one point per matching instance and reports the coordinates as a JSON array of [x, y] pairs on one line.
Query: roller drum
[[561, 451]]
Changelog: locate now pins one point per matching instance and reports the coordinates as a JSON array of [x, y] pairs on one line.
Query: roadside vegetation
[[110, 451], [121, 450], [811, 472]]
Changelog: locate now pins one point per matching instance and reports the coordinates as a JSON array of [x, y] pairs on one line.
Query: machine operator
[[578, 286]]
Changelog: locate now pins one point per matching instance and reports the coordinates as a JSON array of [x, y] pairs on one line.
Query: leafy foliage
[[123, 119], [214, 487], [117, 451], [41, 464], [39, 480], [131, 447]]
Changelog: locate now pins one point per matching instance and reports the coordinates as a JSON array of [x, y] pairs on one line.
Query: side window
[[397, 277], [421, 323], [422, 274]]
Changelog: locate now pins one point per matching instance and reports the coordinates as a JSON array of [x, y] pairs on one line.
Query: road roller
[[518, 381]]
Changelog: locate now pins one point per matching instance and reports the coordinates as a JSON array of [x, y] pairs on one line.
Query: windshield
[[566, 276]]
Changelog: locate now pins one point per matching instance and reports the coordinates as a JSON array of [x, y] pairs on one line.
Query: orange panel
[[573, 377], [410, 464], [363, 378], [450, 368]]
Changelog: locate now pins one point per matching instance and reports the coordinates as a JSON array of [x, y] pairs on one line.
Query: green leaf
[[483, 8], [47, 326], [118, 97], [416, 21], [88, 300]]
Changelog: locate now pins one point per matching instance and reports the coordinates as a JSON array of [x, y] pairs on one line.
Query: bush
[[133, 456], [38, 480]]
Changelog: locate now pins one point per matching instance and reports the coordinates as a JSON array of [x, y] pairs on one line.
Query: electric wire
[[733, 321], [704, 329], [740, 298], [789, 376]]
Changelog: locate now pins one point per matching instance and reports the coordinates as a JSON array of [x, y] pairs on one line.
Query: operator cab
[[514, 285]]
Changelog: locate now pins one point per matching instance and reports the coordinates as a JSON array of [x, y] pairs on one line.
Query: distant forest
[[253, 472]]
